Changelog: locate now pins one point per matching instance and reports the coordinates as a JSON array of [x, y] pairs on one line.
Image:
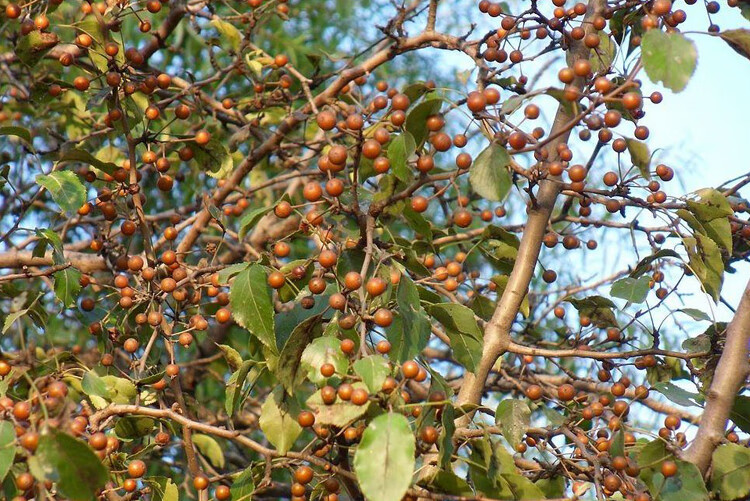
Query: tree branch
[[86, 263], [497, 331], [731, 373]]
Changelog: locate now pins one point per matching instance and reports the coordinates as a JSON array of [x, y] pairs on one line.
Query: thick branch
[[86, 263], [497, 331], [731, 373]]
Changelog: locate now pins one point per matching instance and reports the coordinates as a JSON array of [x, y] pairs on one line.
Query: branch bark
[[497, 331], [731, 373], [86, 263]]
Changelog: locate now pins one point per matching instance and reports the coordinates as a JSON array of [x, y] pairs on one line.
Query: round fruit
[[375, 286], [429, 435], [200, 482], [222, 493], [347, 346], [136, 468], [383, 317], [360, 396], [303, 475], [534, 392], [669, 468], [566, 392]]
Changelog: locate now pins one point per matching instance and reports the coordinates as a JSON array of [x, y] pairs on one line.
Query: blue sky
[[706, 125]]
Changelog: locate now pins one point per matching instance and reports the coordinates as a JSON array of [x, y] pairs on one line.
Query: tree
[[255, 250]]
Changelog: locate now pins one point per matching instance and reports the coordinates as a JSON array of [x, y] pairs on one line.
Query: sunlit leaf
[[384, 460], [66, 189], [669, 58], [489, 175]]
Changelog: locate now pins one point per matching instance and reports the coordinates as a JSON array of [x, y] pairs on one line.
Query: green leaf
[[350, 260], [231, 271], [669, 58], [731, 471], [463, 331], [324, 350], [210, 448], [513, 417], [740, 413], [640, 156], [234, 387], [711, 204], [12, 317], [709, 215], [67, 285], [20, 132], [695, 314], [384, 460], [445, 440], [232, 356], [69, 463], [597, 308], [634, 290], [228, 32], [745, 10], [279, 426], [252, 304], [341, 413], [643, 265], [7, 447], [132, 427], [522, 487], [162, 489], [457, 317], [677, 394], [418, 222], [92, 384], [485, 461], [411, 334], [415, 91], [243, 485], [510, 478], [373, 370], [84, 157], [402, 147], [552, 488], [653, 453], [483, 307], [603, 55], [512, 104], [120, 390], [290, 358], [92, 26], [445, 481], [553, 416], [706, 262], [467, 349], [687, 484], [66, 189], [489, 175], [31, 48], [213, 157], [50, 237], [251, 219], [416, 120], [739, 40]]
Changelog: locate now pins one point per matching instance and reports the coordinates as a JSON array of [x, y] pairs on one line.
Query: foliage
[[280, 249]]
